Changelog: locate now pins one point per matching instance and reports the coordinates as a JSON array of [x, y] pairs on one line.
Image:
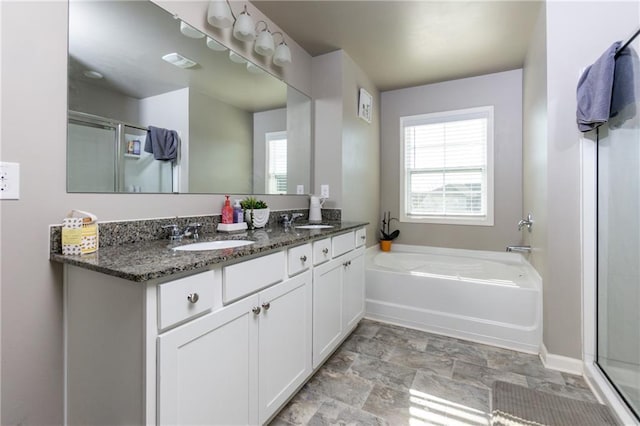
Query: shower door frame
[[596, 378], [82, 118]]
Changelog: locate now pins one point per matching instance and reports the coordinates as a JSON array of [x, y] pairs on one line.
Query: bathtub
[[487, 297]]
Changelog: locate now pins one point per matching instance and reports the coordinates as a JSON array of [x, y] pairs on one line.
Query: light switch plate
[[9, 181], [324, 191], [300, 189]]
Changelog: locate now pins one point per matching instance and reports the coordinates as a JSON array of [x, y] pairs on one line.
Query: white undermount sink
[[213, 245], [314, 226]]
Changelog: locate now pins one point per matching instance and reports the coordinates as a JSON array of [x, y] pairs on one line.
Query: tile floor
[[389, 375]]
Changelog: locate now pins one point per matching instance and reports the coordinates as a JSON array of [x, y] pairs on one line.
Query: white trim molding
[[560, 362]]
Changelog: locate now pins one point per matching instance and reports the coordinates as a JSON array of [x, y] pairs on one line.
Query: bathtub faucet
[[519, 249], [525, 222]]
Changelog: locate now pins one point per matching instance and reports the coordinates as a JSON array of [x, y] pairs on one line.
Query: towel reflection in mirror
[[162, 143]]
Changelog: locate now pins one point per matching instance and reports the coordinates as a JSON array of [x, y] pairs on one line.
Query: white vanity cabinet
[[208, 368], [237, 365], [338, 296], [224, 346]]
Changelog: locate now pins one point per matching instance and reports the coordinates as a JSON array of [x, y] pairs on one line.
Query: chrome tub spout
[[519, 249]]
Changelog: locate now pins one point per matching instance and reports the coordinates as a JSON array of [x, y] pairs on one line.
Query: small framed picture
[[365, 106], [133, 147]]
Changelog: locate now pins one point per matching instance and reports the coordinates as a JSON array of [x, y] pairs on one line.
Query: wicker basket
[[79, 233]]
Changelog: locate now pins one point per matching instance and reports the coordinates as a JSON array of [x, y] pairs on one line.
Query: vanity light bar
[[179, 61]]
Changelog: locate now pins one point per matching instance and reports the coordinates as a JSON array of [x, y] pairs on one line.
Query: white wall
[[346, 155], [577, 34], [360, 152], [504, 92], [220, 157], [327, 97], [534, 148], [263, 123], [33, 133]]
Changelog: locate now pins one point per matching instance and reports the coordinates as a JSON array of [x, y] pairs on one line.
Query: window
[[447, 167], [276, 163]]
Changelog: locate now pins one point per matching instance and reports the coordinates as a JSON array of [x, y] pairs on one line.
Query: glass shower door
[[91, 159], [618, 298]]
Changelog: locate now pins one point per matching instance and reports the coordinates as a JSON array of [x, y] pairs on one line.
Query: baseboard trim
[[560, 362]]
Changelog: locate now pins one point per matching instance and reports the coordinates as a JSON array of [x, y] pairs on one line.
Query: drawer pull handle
[[266, 306], [325, 251], [256, 310], [303, 258], [363, 237], [193, 297]]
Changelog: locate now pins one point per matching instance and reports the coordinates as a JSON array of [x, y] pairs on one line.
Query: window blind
[[277, 165], [445, 165]]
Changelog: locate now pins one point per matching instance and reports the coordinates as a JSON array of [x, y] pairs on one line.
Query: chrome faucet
[[286, 221], [528, 222], [519, 249], [190, 231]]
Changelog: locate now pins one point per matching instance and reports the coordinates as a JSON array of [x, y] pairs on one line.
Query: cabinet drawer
[[248, 277], [361, 237], [321, 251], [187, 297], [299, 259], [342, 244]]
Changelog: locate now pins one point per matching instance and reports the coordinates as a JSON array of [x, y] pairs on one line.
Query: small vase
[[385, 245], [257, 217]]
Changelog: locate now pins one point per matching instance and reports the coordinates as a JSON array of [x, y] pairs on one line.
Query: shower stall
[[105, 155], [618, 238]]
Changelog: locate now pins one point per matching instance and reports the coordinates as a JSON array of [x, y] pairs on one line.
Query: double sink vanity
[[223, 330]]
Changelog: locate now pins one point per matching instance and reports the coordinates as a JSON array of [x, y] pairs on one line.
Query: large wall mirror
[[241, 130]]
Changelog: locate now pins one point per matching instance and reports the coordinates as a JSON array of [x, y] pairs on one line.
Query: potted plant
[[386, 236], [256, 212]]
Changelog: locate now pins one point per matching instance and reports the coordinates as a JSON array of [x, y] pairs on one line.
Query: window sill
[[448, 220]]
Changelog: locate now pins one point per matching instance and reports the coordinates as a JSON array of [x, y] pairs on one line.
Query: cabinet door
[[207, 369], [353, 290], [327, 309], [285, 341]]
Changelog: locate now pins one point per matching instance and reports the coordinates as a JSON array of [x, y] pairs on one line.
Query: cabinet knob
[[363, 237], [266, 306], [256, 310], [193, 297], [325, 251], [345, 264], [303, 258]]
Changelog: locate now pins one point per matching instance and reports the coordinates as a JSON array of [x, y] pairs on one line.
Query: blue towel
[[594, 91], [623, 96], [162, 143]]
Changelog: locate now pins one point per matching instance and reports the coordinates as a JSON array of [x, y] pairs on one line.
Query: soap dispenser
[[315, 208], [227, 211], [238, 214]]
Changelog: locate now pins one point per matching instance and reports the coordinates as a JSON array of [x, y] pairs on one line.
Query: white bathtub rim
[[509, 258]]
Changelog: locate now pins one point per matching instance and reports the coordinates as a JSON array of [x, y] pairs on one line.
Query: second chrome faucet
[[288, 221]]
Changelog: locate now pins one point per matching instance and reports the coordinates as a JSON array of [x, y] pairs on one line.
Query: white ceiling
[[125, 41], [408, 43]]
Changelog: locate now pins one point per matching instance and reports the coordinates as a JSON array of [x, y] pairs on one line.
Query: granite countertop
[[149, 260]]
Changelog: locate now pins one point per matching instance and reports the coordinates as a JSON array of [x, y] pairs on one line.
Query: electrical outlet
[[300, 189], [324, 191], [9, 181]]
